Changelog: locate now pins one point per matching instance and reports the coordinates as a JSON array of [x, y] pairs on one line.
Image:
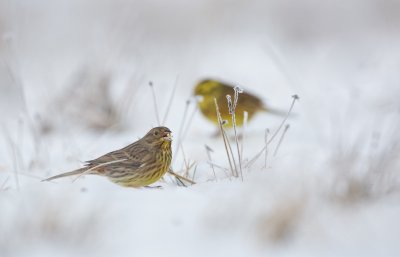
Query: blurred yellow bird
[[209, 89]]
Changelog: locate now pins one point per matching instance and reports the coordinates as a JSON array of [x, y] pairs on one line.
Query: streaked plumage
[[139, 164]]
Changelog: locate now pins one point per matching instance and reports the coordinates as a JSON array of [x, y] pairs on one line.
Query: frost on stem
[[238, 91], [232, 109], [230, 105], [228, 148]]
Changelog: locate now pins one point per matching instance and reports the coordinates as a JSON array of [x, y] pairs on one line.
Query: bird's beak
[[167, 136], [198, 98]]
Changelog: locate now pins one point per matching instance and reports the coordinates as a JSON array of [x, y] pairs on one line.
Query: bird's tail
[[66, 174]]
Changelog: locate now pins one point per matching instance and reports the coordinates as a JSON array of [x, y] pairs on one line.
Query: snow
[[331, 190]]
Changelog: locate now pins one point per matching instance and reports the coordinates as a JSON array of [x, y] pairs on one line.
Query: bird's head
[[158, 136], [206, 87]]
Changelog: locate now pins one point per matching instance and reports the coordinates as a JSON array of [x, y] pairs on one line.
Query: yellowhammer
[[139, 164], [209, 89]]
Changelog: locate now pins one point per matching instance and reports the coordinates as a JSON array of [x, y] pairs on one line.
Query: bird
[[136, 165], [208, 89]]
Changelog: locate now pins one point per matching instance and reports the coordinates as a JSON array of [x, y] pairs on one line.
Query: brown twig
[[181, 177]]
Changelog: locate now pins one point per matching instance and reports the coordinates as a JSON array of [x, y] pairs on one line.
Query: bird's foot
[[153, 187]]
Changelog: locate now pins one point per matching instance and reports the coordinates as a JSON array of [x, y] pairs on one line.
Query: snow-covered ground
[[74, 85]]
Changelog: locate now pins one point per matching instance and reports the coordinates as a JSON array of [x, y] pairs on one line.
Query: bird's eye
[[156, 133]]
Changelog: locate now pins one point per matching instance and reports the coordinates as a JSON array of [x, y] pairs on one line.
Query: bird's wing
[[228, 89], [133, 155]]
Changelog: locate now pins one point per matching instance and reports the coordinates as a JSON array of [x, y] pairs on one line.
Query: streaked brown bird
[[136, 165], [209, 89]]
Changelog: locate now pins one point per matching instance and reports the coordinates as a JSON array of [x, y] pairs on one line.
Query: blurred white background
[[73, 85]]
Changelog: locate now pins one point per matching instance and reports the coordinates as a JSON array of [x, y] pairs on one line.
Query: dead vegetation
[[53, 221], [236, 160], [88, 102], [279, 224], [366, 171]]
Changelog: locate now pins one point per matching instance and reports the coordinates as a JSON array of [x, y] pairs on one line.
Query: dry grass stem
[[187, 165], [184, 130], [245, 119], [181, 126], [155, 102], [189, 123], [225, 170], [3, 185], [14, 156], [181, 177], [366, 175], [281, 139], [228, 149], [128, 96], [254, 159], [171, 98], [295, 98], [232, 112], [194, 172], [266, 147], [209, 151]]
